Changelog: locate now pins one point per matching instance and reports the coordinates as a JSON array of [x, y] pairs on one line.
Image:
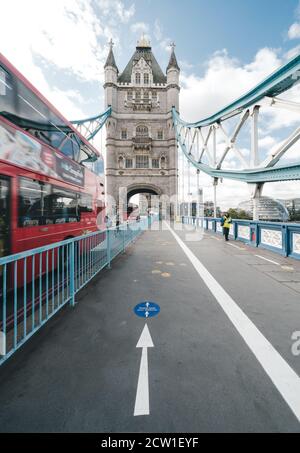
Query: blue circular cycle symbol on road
[[146, 309]]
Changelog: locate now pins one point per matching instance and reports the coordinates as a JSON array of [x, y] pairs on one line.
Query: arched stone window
[[142, 131]]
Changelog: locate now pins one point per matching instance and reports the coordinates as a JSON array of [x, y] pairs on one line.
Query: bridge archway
[[148, 200]]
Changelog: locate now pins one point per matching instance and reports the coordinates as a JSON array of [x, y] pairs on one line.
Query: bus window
[[85, 203], [30, 203], [64, 206], [63, 143], [63, 138], [33, 113], [4, 216], [47, 204], [8, 98]]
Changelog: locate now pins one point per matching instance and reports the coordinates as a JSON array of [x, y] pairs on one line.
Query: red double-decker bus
[[51, 177]]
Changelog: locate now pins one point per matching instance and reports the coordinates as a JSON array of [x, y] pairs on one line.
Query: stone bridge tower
[[141, 148]]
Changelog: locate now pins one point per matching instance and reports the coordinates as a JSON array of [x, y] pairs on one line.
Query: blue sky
[[224, 48], [200, 27]]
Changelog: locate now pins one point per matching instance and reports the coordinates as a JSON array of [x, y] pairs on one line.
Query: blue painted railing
[[37, 283], [282, 238]]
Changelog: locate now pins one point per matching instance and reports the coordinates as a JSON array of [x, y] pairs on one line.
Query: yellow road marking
[[166, 274]]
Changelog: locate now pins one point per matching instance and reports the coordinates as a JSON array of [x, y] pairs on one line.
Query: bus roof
[[29, 85]]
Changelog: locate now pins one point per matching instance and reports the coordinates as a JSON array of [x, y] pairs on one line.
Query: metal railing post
[[124, 231], [108, 250], [285, 240], [72, 273]]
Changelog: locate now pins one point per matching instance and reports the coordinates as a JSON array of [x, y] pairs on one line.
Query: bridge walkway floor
[[80, 372]]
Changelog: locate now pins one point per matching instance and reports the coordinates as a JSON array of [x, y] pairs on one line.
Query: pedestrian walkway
[[80, 372]]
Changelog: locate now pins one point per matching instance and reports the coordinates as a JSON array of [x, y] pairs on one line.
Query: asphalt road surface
[[222, 359]]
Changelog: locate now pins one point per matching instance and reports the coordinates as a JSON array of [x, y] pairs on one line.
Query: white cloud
[[185, 65], [139, 27], [294, 31], [67, 34], [224, 81], [66, 102], [282, 190], [266, 142], [124, 14], [292, 53], [115, 9], [158, 32]]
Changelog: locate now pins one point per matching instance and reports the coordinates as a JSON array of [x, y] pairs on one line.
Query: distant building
[[293, 203], [209, 209], [268, 209], [293, 207]]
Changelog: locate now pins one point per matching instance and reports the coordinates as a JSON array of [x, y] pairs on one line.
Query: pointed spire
[[110, 61], [173, 60], [144, 42]]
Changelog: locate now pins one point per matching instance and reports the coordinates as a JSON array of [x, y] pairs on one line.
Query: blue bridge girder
[[263, 94], [261, 175], [89, 127]]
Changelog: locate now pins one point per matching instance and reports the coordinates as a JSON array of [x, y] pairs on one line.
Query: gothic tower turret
[[173, 72], [111, 77]]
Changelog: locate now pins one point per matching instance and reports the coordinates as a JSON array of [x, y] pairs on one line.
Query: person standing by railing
[[226, 221], [107, 221], [117, 230]]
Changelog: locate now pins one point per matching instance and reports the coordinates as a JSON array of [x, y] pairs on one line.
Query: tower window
[[129, 95], [138, 78], [155, 163], [160, 134], [146, 79], [124, 134], [142, 131], [146, 95], [154, 95], [129, 163], [138, 95], [142, 161]]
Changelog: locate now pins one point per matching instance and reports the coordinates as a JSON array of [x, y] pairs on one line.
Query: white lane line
[[282, 375], [267, 259], [236, 246], [141, 406]]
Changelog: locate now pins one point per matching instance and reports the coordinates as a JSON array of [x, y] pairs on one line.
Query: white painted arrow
[[142, 394]]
